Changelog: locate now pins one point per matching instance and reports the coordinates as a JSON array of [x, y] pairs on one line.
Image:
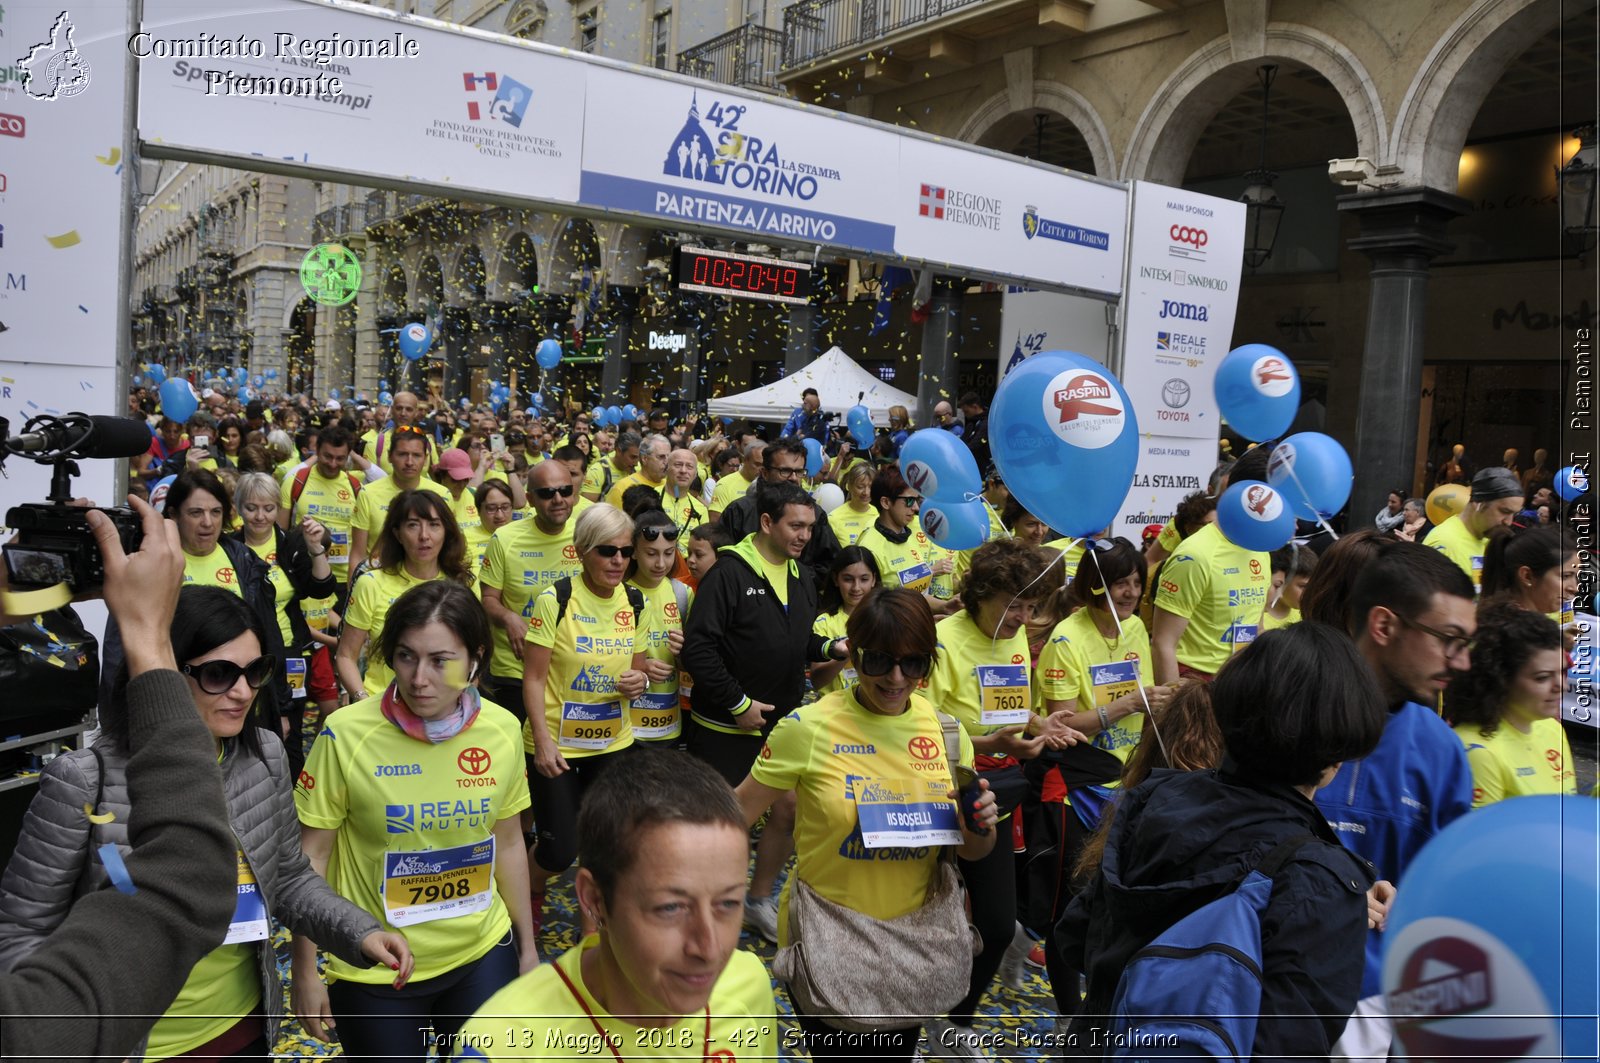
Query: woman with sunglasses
[[905, 556], [433, 851], [231, 1005], [583, 660], [852, 576], [879, 729], [983, 679], [419, 542], [655, 715], [857, 513]]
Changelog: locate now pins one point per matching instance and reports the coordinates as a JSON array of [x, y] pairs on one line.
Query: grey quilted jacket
[[54, 861]]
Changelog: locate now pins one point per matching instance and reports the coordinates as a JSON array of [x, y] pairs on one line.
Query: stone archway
[[1177, 114], [1452, 83], [996, 120], [516, 274]]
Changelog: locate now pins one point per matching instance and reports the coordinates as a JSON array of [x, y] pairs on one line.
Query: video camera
[[55, 544]]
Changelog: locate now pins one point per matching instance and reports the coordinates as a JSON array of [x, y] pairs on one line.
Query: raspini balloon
[[1066, 439], [1258, 391]]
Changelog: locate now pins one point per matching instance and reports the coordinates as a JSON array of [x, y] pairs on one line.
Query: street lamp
[[1576, 183], [1262, 212]]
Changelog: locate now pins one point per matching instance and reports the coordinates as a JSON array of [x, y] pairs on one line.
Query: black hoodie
[[1182, 839]]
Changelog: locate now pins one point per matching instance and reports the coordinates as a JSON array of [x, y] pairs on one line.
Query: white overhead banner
[[696, 156], [1008, 217], [357, 92], [1032, 321], [1184, 260]]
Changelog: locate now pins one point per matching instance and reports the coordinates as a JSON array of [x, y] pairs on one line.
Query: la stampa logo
[[54, 69], [509, 101]]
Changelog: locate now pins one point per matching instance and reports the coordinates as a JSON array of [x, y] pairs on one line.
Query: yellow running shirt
[[332, 503], [415, 822], [592, 645], [729, 490], [824, 752], [831, 626], [283, 594], [537, 1017], [375, 591], [1273, 623], [1069, 560], [1455, 540], [907, 564], [1220, 589], [848, 522], [633, 479], [983, 683], [1078, 662], [1508, 763], [594, 477], [688, 513], [520, 561], [372, 506], [213, 570], [997, 530], [657, 716]]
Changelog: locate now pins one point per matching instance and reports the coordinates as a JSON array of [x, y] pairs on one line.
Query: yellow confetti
[[111, 159], [66, 239], [98, 817]]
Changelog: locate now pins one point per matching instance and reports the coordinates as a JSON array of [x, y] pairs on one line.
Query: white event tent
[[838, 380]]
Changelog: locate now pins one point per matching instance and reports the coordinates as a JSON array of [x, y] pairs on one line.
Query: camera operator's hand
[[141, 588]]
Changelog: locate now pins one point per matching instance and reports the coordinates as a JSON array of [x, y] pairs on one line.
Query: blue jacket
[[1387, 805], [807, 425]]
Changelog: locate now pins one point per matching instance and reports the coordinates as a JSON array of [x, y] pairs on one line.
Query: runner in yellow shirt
[[652, 470], [419, 542], [409, 449], [1507, 708], [582, 662], [905, 556], [406, 412], [856, 513], [662, 856], [680, 498], [327, 494], [1495, 500], [497, 508], [604, 471], [733, 485], [1292, 567], [851, 577], [410, 807], [656, 715]]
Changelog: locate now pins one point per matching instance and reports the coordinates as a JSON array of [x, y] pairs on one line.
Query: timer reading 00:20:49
[[742, 276]]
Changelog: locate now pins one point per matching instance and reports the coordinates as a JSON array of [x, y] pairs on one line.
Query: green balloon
[[330, 274]]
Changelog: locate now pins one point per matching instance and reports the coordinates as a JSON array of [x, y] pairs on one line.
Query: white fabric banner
[[1032, 321]]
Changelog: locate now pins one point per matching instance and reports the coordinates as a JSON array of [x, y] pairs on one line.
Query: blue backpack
[[1195, 991]]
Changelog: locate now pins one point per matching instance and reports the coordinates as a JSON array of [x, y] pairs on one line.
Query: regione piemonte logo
[[1083, 409], [930, 202]]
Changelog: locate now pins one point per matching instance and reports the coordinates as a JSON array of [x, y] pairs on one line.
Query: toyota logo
[[473, 760], [1183, 234], [923, 748]]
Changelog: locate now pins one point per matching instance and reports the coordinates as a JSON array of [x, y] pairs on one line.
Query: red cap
[[455, 464]]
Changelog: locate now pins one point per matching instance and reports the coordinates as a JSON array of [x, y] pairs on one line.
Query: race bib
[[654, 715], [917, 577], [295, 669], [1477, 570], [849, 677], [338, 547], [1003, 694], [438, 883], [1569, 613], [589, 726], [905, 813], [1111, 681], [249, 921]]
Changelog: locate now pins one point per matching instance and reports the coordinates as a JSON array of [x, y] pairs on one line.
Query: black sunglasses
[[876, 662], [218, 677], [547, 493], [608, 551], [669, 532], [908, 500]]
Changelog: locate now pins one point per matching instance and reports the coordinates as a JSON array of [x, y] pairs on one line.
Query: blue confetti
[[85, 309], [111, 857]]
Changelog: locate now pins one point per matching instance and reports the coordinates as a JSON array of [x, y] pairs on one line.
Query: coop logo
[[1187, 242], [1184, 311], [13, 125], [508, 105], [1262, 502], [54, 69], [958, 207], [1033, 225], [1272, 376], [1083, 409]]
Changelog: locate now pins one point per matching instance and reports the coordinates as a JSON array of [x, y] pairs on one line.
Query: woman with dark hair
[[983, 679], [230, 439], [1326, 599], [852, 576], [1507, 708], [656, 714], [905, 556], [1022, 524], [419, 542], [497, 507], [873, 730], [662, 851], [231, 1005], [1291, 707], [1535, 568], [448, 873]]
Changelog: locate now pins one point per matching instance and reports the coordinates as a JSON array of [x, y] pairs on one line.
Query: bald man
[[679, 497], [734, 485], [403, 411]]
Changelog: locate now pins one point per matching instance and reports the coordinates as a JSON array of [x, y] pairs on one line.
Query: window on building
[[884, 371], [661, 39], [527, 20], [589, 30]]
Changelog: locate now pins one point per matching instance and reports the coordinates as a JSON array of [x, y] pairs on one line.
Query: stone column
[[801, 347], [937, 375], [613, 374], [1402, 230]]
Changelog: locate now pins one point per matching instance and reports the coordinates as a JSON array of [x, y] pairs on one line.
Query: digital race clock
[[743, 276]]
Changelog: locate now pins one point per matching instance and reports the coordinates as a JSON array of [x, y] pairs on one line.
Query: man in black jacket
[[746, 644], [784, 462]]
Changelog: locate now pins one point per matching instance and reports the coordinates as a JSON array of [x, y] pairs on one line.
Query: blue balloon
[[158, 493], [597, 416], [956, 525], [157, 372], [1313, 473], [258, 380], [465, 402], [240, 374], [245, 394], [1489, 951], [1066, 439], [935, 463], [858, 419], [1258, 391], [383, 385], [548, 353], [272, 374], [630, 412], [385, 398], [178, 400], [813, 456], [137, 380], [1253, 515], [333, 393], [1571, 482], [361, 396], [613, 415], [414, 340]]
